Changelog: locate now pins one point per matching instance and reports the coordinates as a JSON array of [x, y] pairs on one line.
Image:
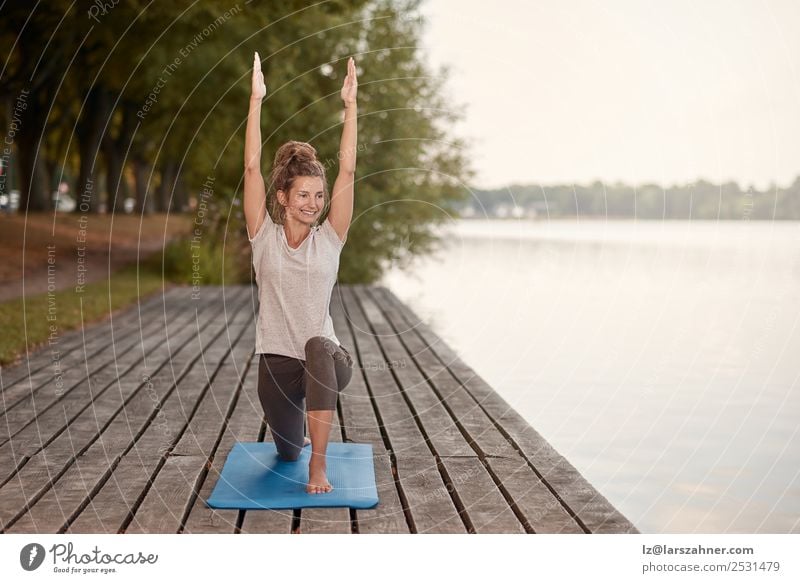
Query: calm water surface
[[661, 358]]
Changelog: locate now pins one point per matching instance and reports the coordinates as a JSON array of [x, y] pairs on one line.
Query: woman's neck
[[296, 232]]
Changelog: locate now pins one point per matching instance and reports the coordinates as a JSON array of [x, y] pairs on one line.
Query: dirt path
[[38, 253]]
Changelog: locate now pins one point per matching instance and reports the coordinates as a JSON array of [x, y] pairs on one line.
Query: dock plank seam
[[38, 412], [200, 482], [482, 456], [186, 370], [554, 492], [29, 502], [197, 402], [451, 489], [403, 310], [11, 389], [167, 360], [25, 457], [386, 441]]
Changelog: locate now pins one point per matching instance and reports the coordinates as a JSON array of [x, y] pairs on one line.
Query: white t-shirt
[[294, 287]]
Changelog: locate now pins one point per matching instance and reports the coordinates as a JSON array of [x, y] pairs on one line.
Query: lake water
[[660, 358]]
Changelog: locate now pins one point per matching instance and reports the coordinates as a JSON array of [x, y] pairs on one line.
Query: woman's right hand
[[259, 87]]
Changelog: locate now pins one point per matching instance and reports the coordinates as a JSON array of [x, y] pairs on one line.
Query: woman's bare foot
[[317, 480], [306, 441]]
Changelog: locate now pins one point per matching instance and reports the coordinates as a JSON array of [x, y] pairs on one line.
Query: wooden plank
[[84, 438], [388, 517], [105, 444], [396, 419], [543, 512], [482, 432], [360, 425], [590, 509], [22, 400], [443, 436], [77, 436], [155, 438], [169, 498], [337, 520], [49, 415], [427, 407], [406, 440], [100, 391], [429, 500], [488, 510]]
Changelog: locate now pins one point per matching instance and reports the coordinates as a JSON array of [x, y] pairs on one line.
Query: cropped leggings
[[287, 386]]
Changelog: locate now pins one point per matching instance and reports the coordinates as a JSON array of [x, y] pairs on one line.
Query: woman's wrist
[[348, 104], [254, 99]]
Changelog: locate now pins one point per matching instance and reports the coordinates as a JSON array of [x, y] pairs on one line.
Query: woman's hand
[[255, 195], [259, 87], [350, 87]]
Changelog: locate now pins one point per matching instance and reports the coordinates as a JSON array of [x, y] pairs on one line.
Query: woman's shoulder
[[266, 225], [327, 231]]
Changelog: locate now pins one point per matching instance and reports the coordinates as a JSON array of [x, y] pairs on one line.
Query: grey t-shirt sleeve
[[327, 229], [266, 223]]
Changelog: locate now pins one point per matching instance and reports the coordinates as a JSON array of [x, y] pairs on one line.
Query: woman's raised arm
[[255, 195], [341, 212]]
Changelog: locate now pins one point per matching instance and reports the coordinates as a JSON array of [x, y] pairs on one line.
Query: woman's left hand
[[350, 87]]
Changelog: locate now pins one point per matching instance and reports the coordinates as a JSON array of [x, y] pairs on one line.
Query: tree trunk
[[90, 130], [181, 202], [34, 187], [116, 150], [165, 191], [117, 188], [32, 176], [141, 174]]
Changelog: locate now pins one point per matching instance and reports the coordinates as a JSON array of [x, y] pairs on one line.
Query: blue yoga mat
[[254, 477]]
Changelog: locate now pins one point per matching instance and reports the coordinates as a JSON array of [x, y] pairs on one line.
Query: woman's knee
[[289, 455], [288, 441], [344, 373], [318, 346]]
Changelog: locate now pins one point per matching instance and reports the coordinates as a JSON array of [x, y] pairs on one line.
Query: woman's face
[[306, 199]]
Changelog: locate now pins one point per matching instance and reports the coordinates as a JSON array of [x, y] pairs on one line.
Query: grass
[[27, 323]]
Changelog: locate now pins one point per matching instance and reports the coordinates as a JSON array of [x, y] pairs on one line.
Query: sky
[[572, 91]]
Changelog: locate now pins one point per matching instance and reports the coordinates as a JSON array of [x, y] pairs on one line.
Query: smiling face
[[306, 199]]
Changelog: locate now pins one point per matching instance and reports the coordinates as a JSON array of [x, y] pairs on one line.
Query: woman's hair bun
[[295, 151]]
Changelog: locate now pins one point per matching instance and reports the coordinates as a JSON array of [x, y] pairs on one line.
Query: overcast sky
[[633, 90]]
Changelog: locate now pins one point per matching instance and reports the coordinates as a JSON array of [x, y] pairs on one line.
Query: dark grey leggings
[[287, 386]]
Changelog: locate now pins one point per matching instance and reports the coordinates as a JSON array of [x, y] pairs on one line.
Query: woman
[[302, 365]]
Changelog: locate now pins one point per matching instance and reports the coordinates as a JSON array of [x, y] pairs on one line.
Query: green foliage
[[179, 74], [205, 261]]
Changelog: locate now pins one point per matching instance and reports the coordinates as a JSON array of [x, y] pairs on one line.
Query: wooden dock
[[133, 434]]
